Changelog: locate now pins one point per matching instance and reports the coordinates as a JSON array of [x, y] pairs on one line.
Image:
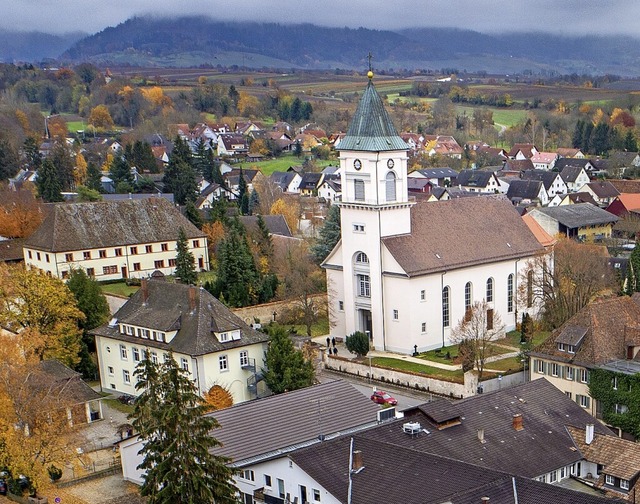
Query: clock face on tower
[[357, 164], [390, 164]]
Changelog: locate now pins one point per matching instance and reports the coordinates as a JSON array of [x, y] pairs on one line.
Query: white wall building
[[113, 239], [406, 273]]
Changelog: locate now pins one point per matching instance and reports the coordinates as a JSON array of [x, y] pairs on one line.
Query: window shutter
[[359, 190], [391, 187]]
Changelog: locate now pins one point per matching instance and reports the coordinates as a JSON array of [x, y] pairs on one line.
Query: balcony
[[249, 365]]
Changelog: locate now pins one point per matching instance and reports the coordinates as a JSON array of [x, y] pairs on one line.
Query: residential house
[[415, 141], [545, 239], [288, 182], [232, 145], [522, 151], [443, 145], [437, 176], [284, 127], [603, 191], [572, 199], [562, 163], [603, 335], [582, 221], [544, 160], [11, 250], [626, 186], [517, 166], [275, 224], [575, 177], [489, 156], [625, 204], [483, 181], [215, 346], [83, 404], [113, 239], [308, 185], [307, 140], [314, 415], [212, 193], [330, 189], [553, 182], [527, 191], [565, 152], [419, 185], [246, 127], [232, 179]]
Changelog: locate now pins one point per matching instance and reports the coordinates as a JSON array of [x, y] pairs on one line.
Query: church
[[406, 272]]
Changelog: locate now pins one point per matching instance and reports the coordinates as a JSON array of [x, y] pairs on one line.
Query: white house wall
[[56, 263]]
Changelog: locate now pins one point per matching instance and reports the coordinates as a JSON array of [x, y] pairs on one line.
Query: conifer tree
[[180, 179], [254, 202], [48, 184], [286, 369], [633, 272], [185, 263], [329, 235], [242, 188], [170, 417], [94, 177], [120, 172]]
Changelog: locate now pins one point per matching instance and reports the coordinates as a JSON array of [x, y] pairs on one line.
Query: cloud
[[567, 16]]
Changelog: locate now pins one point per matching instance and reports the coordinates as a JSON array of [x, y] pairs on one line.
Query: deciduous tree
[[477, 329], [290, 210], [100, 118], [20, 213]]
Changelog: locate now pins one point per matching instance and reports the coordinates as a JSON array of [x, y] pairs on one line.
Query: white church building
[[406, 272]]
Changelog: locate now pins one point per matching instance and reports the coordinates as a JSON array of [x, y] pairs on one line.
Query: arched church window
[[445, 306], [362, 258], [391, 186]]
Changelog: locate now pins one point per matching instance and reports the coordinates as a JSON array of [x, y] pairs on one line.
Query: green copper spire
[[371, 129]]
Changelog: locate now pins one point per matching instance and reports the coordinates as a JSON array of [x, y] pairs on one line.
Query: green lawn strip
[[119, 289], [440, 354], [320, 328], [513, 339], [420, 369], [510, 364], [117, 405], [284, 163]]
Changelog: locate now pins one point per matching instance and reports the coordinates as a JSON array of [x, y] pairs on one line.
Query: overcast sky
[[557, 16]]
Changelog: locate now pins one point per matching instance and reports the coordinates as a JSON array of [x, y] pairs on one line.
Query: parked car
[[382, 397]]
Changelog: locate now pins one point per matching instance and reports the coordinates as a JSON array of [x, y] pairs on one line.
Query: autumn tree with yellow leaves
[[290, 210], [30, 299]]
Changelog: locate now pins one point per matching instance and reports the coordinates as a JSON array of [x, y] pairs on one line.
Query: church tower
[[375, 204]]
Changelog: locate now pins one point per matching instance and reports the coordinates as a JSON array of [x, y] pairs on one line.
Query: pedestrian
[[328, 341], [333, 342], [335, 351]]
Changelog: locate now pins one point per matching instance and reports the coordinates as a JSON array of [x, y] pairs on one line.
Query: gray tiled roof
[[65, 382], [438, 172], [524, 189], [371, 128], [167, 308], [546, 177], [570, 172], [578, 215], [77, 226], [474, 178], [461, 232], [268, 426], [571, 335], [276, 224], [544, 439]]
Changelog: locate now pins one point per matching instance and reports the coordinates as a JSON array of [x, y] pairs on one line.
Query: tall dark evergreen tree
[[286, 369], [181, 150], [9, 160], [264, 239], [185, 262], [192, 213], [94, 177], [140, 155], [61, 157], [244, 204], [180, 179], [329, 235], [170, 417], [577, 138], [32, 157], [242, 187], [48, 184], [254, 202], [630, 142], [120, 172]]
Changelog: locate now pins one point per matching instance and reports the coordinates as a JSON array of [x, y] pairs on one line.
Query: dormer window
[[226, 336], [223, 337]]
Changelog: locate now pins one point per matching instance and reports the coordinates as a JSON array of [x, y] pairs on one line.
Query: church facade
[[405, 272]]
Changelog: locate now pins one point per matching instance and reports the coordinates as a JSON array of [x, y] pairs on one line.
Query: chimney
[[192, 297], [517, 422], [145, 290], [588, 434], [481, 436], [358, 462]]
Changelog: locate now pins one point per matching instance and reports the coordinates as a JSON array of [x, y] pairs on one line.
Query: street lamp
[[370, 368]]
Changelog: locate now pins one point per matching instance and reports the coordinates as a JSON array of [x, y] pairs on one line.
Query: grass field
[[434, 372], [509, 365], [119, 289], [320, 328], [283, 163], [503, 116]]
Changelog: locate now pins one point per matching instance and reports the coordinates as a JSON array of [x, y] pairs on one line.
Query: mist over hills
[[194, 41]]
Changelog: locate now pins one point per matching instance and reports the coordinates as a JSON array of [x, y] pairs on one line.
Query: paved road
[[406, 398]]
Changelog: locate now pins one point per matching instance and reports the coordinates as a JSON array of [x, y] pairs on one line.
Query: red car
[[382, 397]]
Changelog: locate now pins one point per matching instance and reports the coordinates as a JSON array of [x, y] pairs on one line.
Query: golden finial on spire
[[370, 72]]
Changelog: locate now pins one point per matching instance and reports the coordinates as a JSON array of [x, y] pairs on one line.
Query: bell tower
[[375, 204]]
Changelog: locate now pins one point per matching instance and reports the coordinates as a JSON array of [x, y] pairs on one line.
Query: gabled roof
[[474, 178], [578, 215], [524, 189], [544, 157], [283, 179], [310, 180], [603, 189], [11, 250], [546, 177], [564, 162], [371, 129], [168, 308], [77, 226], [437, 173], [541, 446], [626, 186], [518, 165], [258, 428], [568, 152], [494, 233], [65, 383], [276, 224], [570, 172], [580, 197], [609, 324], [545, 239], [526, 149], [630, 201]]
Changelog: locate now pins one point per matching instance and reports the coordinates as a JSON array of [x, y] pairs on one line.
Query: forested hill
[[193, 41], [34, 46]]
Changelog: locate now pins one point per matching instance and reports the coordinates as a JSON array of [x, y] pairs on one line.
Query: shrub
[[358, 343]]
